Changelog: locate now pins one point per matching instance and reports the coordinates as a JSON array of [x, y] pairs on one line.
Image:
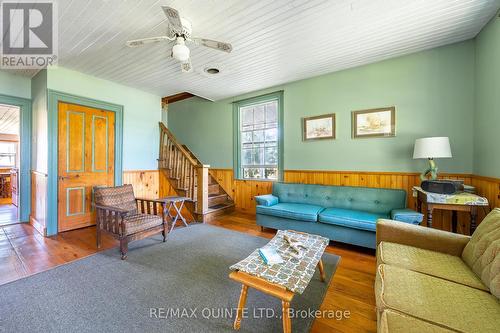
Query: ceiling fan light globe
[[180, 52]]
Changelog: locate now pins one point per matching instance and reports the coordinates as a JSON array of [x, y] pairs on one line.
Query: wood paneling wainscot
[[243, 191], [39, 201]]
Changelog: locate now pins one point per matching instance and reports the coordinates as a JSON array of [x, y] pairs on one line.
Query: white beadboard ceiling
[[274, 41], [9, 119]]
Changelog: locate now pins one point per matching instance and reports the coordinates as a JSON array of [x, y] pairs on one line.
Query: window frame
[[275, 96]]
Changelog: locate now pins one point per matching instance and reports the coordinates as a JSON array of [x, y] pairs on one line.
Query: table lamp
[[431, 148]]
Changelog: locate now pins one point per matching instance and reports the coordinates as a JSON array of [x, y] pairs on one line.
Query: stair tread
[[221, 206], [216, 195]]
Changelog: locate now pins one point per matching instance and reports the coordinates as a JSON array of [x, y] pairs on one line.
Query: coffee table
[[280, 280]]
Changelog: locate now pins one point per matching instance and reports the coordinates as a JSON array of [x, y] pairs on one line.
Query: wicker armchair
[[117, 213]]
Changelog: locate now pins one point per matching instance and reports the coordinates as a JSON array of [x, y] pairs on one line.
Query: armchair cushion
[[407, 215], [266, 200], [140, 222], [120, 197]]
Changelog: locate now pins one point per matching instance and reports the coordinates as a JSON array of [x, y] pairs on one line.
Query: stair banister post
[[202, 188]]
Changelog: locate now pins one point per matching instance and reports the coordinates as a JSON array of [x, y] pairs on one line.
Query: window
[[259, 144], [8, 154]]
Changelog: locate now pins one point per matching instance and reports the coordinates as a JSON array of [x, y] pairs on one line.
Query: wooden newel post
[[202, 190]]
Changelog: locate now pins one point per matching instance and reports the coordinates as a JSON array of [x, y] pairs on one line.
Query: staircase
[[190, 178]]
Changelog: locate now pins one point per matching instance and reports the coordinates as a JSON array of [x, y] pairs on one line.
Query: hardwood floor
[[24, 252], [8, 212]]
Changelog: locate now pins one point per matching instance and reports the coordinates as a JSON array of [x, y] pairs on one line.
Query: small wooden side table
[[177, 203], [447, 203]]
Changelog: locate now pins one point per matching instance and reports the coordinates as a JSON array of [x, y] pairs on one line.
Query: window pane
[[247, 157], [258, 156], [271, 173], [246, 137], [259, 114], [246, 115], [271, 134], [272, 112], [271, 156], [252, 173], [258, 136]]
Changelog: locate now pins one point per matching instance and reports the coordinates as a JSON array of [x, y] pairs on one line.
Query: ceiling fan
[[179, 31]]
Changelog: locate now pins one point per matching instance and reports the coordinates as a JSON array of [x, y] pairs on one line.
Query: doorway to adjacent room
[[9, 163]]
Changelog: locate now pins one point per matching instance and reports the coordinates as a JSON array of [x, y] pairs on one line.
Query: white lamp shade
[[436, 147]]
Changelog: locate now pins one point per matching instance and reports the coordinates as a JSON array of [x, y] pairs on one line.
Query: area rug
[[178, 286]]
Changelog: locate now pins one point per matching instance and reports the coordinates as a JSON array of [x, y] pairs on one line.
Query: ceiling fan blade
[[221, 46], [142, 41], [186, 67], [173, 18]]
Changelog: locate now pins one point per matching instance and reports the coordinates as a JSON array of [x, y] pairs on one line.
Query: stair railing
[[189, 174]]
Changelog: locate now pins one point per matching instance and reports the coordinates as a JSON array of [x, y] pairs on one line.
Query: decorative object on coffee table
[[282, 280], [319, 127], [431, 148], [374, 123]]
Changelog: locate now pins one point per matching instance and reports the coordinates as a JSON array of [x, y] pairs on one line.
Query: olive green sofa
[[436, 281]]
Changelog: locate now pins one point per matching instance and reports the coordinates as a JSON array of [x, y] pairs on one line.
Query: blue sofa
[[341, 213]]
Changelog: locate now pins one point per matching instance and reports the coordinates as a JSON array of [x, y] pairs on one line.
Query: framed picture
[[374, 123], [319, 127]]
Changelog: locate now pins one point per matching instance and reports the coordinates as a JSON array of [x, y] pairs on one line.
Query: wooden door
[[86, 159]]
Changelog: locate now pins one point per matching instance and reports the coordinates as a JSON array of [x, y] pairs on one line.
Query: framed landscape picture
[[319, 127], [374, 123]]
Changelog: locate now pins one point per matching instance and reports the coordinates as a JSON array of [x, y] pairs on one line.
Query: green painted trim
[[93, 144], [54, 97], [68, 143], [278, 95], [68, 189], [25, 158]]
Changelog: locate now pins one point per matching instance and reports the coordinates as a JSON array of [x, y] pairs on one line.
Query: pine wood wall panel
[[154, 184], [38, 201], [146, 183], [243, 191]]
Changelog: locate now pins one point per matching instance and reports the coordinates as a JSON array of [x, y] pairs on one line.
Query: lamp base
[[431, 172]]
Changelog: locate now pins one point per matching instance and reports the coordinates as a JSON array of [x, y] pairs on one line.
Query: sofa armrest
[[266, 200], [421, 237], [407, 215]]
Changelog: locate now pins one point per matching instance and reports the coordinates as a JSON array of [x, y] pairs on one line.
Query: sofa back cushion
[[482, 253], [373, 200]]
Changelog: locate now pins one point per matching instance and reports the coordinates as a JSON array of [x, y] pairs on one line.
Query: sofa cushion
[[395, 322], [295, 211], [435, 300], [350, 218], [373, 200], [482, 253], [441, 265], [140, 222]]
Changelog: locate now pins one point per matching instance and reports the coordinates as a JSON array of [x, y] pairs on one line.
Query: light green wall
[[487, 116], [433, 92], [142, 112], [15, 85], [39, 119]]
